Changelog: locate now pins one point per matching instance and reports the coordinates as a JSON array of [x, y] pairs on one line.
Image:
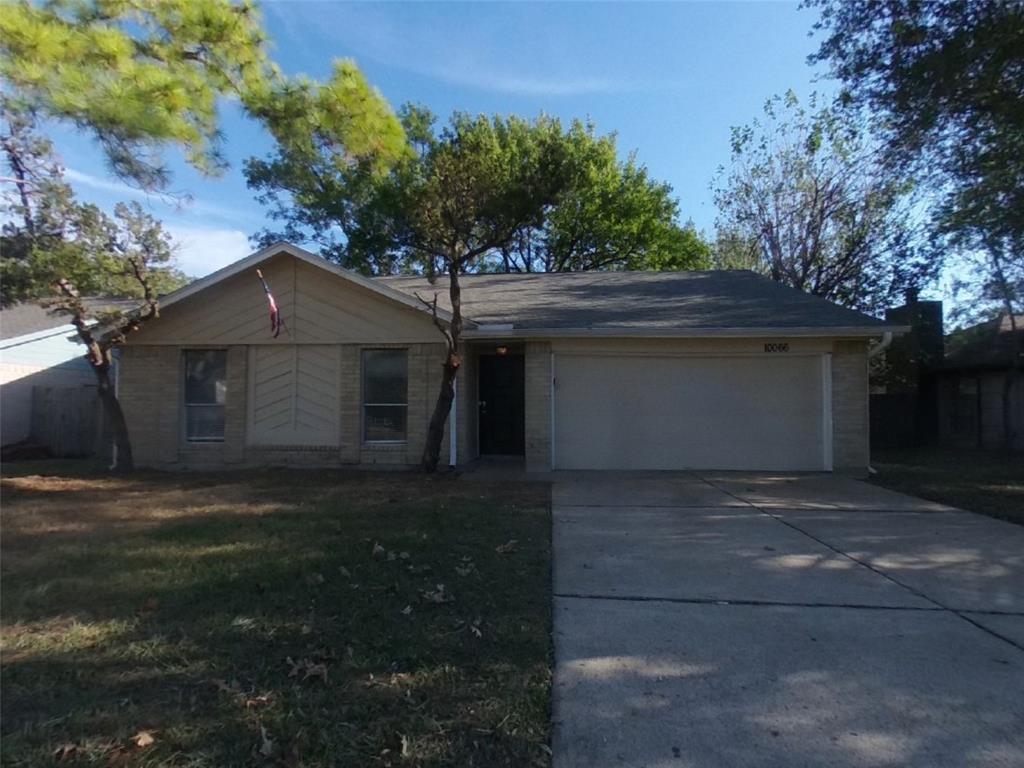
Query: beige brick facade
[[151, 394], [538, 406], [850, 424]]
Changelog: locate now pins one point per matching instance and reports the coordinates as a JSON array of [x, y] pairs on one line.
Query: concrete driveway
[[763, 620]]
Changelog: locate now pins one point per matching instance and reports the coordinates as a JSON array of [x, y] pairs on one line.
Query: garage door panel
[[625, 412]]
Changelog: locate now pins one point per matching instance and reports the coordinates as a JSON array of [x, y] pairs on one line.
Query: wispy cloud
[[178, 202], [525, 84], [417, 45]]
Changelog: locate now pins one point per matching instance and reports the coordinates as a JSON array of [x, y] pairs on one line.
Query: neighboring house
[[975, 383], [39, 348], [904, 387], [610, 370]]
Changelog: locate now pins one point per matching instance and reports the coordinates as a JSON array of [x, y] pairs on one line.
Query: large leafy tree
[[608, 213], [807, 202], [144, 76], [47, 234], [139, 75], [945, 81], [462, 196]]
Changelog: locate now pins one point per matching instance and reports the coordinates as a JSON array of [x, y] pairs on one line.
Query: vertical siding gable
[[317, 306], [294, 395]]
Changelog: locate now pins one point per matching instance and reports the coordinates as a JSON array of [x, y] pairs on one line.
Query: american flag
[[275, 314]]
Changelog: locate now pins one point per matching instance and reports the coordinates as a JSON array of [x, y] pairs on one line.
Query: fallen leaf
[[64, 752], [315, 579], [378, 550], [407, 610], [438, 595], [257, 702], [306, 629], [143, 739], [465, 571], [344, 571], [509, 546]]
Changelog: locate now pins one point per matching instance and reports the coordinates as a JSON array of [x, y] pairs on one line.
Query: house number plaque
[[777, 346]]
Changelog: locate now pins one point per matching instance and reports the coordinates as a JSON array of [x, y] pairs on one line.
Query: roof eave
[[865, 332]]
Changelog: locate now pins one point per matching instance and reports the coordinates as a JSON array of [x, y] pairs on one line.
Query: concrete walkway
[[763, 620]]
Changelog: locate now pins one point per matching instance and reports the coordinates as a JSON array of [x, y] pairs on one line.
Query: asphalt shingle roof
[[33, 316], [658, 301]]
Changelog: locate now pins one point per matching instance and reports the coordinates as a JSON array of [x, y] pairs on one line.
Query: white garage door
[[640, 412]]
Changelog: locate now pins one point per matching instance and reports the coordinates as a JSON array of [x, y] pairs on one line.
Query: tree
[[463, 196], [944, 80], [609, 214], [138, 75], [48, 235], [137, 244], [806, 198]]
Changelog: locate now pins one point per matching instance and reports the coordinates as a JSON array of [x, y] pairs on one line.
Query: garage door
[[641, 412]]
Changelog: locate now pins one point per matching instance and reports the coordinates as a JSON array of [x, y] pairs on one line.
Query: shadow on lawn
[[216, 610]]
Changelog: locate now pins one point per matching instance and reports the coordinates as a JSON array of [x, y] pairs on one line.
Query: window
[[206, 386], [385, 383]]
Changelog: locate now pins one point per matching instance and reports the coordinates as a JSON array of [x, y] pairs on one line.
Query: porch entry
[[502, 405]]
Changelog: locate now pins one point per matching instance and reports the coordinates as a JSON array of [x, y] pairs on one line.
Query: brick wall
[[850, 430], [538, 406], [150, 381]]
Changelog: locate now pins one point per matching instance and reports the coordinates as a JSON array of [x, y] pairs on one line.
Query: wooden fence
[[67, 420]]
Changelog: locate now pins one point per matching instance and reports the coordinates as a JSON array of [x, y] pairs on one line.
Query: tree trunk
[[435, 430], [114, 422]]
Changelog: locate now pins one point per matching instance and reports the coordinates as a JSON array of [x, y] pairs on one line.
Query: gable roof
[[698, 303], [671, 304], [255, 259], [989, 345]]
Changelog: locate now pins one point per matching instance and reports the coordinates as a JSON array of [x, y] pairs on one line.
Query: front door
[[502, 405]]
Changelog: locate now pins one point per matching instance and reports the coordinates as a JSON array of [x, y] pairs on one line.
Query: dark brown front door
[[502, 405]]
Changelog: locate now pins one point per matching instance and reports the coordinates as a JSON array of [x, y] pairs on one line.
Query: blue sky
[[669, 78]]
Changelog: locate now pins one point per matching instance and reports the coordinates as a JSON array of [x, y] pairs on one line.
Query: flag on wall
[[275, 314]]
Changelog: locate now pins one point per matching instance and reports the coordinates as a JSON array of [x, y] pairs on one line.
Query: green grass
[[986, 482], [274, 618]]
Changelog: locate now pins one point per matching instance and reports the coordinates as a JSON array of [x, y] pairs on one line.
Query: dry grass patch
[[300, 618]]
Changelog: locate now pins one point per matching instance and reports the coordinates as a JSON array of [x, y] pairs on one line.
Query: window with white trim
[[206, 386], [385, 395]]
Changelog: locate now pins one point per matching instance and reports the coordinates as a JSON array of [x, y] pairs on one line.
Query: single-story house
[[595, 370], [38, 348], [976, 382]]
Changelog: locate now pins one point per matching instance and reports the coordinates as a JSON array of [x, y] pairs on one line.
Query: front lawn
[[980, 481], [293, 618]]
